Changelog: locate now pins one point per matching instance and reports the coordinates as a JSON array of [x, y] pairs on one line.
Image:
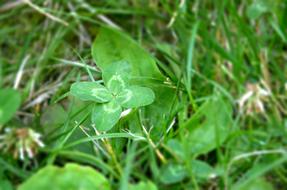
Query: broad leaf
[[112, 46], [91, 91], [106, 115], [135, 96], [210, 126], [71, 177], [10, 101]]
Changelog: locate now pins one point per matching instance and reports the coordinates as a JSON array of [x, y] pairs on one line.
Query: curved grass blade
[[98, 137]]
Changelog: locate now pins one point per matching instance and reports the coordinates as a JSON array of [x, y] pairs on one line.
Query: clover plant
[[114, 96]]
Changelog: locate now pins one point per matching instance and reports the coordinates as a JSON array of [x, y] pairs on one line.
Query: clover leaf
[[116, 95], [10, 101]]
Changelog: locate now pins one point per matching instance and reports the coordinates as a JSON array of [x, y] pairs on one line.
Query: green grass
[[209, 50]]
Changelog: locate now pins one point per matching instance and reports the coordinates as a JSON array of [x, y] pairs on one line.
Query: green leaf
[[202, 169], [176, 147], [210, 126], [135, 96], [53, 115], [116, 84], [112, 46], [106, 115], [254, 175], [172, 173], [257, 184], [71, 177], [116, 77], [5, 185], [91, 91], [10, 101], [259, 7], [143, 186]]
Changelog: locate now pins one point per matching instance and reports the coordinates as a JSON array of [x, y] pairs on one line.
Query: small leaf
[[72, 177], [10, 101], [176, 147], [53, 117], [202, 169], [116, 76], [172, 173], [116, 84], [143, 186], [135, 96], [209, 126], [258, 8], [91, 91], [105, 116], [122, 68]]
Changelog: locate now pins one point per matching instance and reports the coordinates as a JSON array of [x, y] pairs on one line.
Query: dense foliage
[[143, 94]]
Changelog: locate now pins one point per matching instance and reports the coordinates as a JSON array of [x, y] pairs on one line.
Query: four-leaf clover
[[115, 96]]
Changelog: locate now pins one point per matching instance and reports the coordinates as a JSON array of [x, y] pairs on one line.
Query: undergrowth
[[187, 94]]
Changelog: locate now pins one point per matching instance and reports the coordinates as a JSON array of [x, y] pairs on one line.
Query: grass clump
[[143, 94]]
